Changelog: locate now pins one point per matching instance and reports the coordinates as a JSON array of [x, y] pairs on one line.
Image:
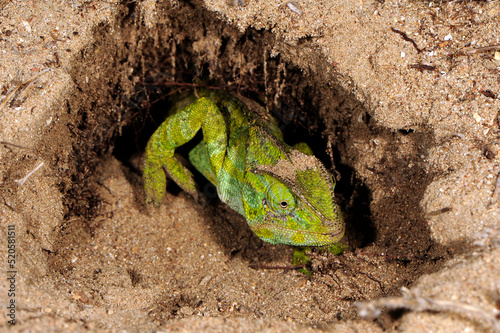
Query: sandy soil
[[400, 99]]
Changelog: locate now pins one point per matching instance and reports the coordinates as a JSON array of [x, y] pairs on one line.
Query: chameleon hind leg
[[175, 131], [200, 159]]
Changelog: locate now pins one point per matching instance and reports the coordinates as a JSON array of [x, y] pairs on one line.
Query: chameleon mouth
[[324, 222], [291, 236], [332, 235], [336, 234]]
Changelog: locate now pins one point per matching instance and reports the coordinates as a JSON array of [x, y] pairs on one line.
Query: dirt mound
[[399, 99]]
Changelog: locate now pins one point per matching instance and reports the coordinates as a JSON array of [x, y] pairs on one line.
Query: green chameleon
[[284, 192]]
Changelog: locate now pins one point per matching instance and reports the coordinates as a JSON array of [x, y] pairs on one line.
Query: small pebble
[[492, 151], [294, 7], [477, 117], [241, 3], [27, 26], [187, 310]]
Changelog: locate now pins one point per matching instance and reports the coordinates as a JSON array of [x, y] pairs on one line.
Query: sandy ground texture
[[400, 99]]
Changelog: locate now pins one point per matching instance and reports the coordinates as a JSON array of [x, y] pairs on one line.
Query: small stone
[[205, 280], [294, 7], [186, 311], [241, 3], [80, 296], [27, 26], [492, 150], [494, 11], [477, 117]]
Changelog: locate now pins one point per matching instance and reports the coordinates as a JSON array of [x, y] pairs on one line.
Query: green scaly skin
[[284, 192]]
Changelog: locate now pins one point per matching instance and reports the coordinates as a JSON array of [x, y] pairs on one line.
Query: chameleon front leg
[[175, 131], [303, 148]]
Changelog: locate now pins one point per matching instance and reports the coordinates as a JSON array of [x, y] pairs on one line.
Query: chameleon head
[[298, 207]]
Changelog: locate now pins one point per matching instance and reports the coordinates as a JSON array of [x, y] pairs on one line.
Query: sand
[[400, 99]]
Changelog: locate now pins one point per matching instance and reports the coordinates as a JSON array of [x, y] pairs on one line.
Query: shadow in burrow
[[227, 226], [307, 107], [298, 110]]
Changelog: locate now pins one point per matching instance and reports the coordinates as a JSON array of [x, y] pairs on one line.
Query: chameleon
[[285, 193]]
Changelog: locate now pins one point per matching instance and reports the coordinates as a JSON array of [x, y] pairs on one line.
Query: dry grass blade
[[25, 178]]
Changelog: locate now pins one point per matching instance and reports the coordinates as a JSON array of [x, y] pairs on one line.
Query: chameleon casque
[[284, 192]]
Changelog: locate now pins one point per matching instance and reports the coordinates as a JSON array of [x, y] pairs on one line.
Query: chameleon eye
[[280, 199]]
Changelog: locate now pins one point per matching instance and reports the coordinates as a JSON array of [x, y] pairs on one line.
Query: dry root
[[411, 301]]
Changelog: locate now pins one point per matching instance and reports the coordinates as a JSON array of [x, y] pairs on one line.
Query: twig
[[439, 211], [182, 84], [14, 145], [423, 67], [6, 204], [496, 192], [23, 180], [411, 301], [7, 98], [275, 267], [471, 50], [408, 39]]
